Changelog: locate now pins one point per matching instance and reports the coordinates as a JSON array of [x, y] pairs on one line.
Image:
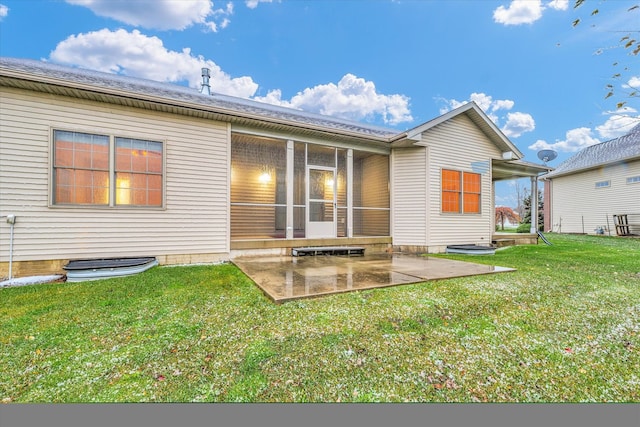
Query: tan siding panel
[[576, 200], [409, 196], [195, 217], [456, 144]]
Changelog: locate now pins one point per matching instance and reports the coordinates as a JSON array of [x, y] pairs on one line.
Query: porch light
[[264, 177]]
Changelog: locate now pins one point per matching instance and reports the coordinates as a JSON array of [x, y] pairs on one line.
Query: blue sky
[[395, 63]]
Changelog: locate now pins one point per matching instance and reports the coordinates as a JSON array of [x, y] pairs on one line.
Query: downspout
[[11, 220]]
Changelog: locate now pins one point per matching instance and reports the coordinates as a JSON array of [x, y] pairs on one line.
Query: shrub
[[524, 228]]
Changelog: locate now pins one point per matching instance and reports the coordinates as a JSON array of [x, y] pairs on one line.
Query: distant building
[[583, 193]]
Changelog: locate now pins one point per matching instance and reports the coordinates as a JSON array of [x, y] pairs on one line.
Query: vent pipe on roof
[[206, 74]]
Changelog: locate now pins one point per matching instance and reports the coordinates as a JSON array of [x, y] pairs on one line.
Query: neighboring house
[[583, 193], [96, 165]]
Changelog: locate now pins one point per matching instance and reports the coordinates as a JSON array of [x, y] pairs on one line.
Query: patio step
[[327, 250], [501, 243]]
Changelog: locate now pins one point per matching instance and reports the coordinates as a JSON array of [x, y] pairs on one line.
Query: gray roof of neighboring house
[[185, 94], [626, 147]]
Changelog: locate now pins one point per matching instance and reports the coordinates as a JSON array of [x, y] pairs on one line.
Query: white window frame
[[633, 179], [461, 193], [112, 179]]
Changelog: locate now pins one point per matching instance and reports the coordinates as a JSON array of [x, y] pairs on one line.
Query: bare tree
[[521, 193], [629, 42]]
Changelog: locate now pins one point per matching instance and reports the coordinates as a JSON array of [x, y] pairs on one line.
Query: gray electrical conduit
[[11, 220]]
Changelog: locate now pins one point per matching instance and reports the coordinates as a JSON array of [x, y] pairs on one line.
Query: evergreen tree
[[526, 219]]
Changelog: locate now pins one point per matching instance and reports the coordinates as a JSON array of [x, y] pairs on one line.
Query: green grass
[[507, 229], [565, 327]]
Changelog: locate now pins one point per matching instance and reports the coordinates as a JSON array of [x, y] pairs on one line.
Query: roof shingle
[[184, 94], [620, 149]]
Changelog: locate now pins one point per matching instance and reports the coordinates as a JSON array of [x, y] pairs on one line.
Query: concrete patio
[[284, 278]]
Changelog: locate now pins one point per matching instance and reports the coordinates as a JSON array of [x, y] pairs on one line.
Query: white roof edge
[[325, 124], [414, 133], [559, 173], [524, 163], [295, 117]]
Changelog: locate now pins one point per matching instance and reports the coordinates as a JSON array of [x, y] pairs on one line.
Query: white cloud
[[575, 140], [252, 4], [619, 123], [221, 18], [4, 11], [352, 98], [507, 200], [515, 124], [559, 4], [484, 101], [502, 104], [519, 12], [161, 14], [135, 54], [525, 11], [633, 83]]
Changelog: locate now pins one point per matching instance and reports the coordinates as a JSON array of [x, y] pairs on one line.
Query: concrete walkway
[[287, 278]]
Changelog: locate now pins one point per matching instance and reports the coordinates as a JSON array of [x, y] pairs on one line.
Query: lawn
[[565, 327]]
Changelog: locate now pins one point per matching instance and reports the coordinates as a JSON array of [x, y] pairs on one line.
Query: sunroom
[[286, 193]]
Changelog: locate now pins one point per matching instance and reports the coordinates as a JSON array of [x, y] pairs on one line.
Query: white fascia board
[[415, 135]]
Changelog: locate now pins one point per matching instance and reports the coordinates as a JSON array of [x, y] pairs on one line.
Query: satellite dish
[[547, 155]]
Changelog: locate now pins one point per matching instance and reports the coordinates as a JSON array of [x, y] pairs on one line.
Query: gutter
[[232, 114], [590, 168]]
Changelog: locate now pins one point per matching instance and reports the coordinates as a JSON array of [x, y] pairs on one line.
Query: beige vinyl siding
[[409, 196], [575, 198], [195, 216], [456, 144]]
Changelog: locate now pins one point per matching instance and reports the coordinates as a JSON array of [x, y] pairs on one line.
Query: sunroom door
[[321, 202]]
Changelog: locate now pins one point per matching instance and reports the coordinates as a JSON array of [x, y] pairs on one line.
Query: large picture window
[[83, 172], [138, 172], [461, 192], [81, 168]]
